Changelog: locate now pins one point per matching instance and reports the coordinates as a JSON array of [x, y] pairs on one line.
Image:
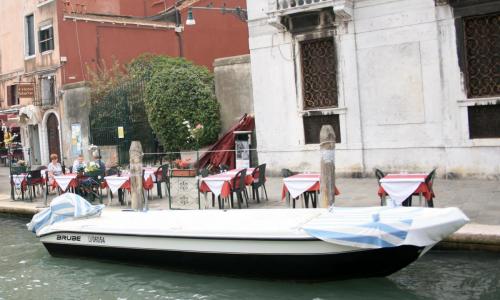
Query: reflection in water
[[28, 272]]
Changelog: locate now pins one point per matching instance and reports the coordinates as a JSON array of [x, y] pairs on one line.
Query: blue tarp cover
[[67, 206]]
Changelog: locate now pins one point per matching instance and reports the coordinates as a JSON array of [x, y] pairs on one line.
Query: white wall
[[402, 104]]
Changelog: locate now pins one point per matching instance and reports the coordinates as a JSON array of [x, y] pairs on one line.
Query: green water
[[27, 271]]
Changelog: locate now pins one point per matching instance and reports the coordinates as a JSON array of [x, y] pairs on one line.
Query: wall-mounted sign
[[26, 90], [121, 132]]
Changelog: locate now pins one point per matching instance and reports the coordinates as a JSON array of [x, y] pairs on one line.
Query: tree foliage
[[178, 91]]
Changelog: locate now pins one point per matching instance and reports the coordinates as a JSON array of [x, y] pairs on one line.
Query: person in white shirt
[[79, 163], [54, 167]]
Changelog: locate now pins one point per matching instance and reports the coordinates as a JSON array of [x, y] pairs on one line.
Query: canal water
[[27, 271]]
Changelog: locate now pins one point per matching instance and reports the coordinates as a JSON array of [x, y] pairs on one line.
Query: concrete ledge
[[24, 211], [232, 60], [473, 237]]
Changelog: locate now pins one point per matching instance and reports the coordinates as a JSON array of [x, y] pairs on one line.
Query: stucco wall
[[233, 87], [402, 104], [75, 108]]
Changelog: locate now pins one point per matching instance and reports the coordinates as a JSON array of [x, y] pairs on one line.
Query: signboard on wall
[[76, 139], [26, 90]]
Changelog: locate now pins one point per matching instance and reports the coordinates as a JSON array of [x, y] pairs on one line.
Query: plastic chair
[[33, 179], [379, 174], [259, 180], [238, 186], [429, 181], [223, 168], [162, 174]]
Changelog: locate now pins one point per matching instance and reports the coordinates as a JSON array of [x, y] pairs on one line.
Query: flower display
[[182, 163], [92, 167], [195, 133]]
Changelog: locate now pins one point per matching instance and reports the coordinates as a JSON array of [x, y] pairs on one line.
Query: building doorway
[[53, 135]]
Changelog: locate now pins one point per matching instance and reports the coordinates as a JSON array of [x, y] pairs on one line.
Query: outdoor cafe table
[[401, 186], [220, 184], [115, 182], [297, 184], [65, 181]]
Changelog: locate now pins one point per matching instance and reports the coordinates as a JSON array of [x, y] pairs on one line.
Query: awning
[[9, 118]]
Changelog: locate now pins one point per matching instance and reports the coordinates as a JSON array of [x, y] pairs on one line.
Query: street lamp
[[239, 12]]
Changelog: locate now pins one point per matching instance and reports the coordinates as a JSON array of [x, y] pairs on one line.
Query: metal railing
[[288, 4]]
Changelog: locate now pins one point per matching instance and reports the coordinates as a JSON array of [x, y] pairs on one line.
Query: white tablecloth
[[64, 180], [401, 186], [150, 173], [298, 184], [115, 182], [216, 182], [18, 180]]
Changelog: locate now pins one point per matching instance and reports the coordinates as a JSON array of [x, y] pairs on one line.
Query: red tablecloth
[[73, 182], [220, 184], [405, 185], [147, 184]]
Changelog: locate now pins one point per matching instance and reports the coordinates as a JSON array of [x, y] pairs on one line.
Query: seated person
[[79, 164], [54, 168], [98, 161]]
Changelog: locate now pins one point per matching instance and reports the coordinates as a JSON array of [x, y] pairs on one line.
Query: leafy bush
[[178, 91]]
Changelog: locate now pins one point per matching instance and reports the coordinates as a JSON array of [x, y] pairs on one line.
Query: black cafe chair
[[429, 181], [259, 180], [238, 187], [34, 179], [162, 175], [379, 175]]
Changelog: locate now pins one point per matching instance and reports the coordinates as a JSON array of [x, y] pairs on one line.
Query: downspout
[[178, 32]]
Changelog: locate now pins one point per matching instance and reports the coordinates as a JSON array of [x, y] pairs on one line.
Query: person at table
[[79, 164], [98, 161], [54, 168]]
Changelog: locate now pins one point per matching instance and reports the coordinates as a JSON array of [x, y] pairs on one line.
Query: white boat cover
[[382, 227], [67, 206]]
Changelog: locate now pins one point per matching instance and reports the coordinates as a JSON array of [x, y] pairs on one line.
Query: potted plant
[[183, 168]]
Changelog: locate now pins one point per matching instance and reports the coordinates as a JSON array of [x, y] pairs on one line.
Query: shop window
[[319, 73], [12, 95], [313, 124], [29, 35], [46, 38], [484, 121], [481, 42]]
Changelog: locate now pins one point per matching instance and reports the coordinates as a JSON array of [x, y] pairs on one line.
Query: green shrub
[[178, 91]]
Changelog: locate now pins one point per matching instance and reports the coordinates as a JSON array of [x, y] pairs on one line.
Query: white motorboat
[[286, 243]]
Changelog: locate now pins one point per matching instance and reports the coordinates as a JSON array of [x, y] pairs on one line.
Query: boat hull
[[266, 258]]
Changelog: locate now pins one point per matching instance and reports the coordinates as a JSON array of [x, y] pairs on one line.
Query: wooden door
[[53, 135]]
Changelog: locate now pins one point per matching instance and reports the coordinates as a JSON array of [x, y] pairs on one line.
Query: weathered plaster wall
[[402, 104], [75, 108], [233, 87]]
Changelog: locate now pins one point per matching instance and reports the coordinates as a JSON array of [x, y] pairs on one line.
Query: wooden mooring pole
[[136, 175], [327, 181]]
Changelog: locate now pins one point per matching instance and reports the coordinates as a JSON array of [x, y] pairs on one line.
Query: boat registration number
[[96, 239]]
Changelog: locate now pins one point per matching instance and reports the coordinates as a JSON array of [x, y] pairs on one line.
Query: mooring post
[[327, 180], [136, 175]]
